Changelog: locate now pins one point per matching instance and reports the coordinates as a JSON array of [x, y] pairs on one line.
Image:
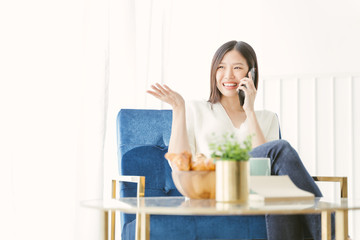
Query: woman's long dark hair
[[245, 50]]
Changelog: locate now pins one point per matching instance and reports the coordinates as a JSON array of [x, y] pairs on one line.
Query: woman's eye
[[237, 68], [220, 67]]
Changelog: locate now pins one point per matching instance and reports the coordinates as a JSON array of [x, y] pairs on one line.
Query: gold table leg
[[106, 225], [325, 225], [113, 225], [142, 229], [145, 226], [138, 227], [341, 225]]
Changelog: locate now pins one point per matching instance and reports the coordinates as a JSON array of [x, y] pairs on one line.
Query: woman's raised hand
[[165, 94], [250, 92]]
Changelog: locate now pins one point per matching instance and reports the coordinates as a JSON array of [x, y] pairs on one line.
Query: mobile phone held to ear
[[241, 93]]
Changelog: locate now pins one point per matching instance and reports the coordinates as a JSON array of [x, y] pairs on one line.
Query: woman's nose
[[229, 73]]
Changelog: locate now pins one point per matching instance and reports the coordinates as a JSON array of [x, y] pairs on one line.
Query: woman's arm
[[253, 124], [179, 141], [255, 131]]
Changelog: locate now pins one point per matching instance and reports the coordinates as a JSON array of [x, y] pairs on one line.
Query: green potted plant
[[232, 168]]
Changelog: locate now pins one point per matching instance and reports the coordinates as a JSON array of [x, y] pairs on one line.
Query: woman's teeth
[[229, 84]]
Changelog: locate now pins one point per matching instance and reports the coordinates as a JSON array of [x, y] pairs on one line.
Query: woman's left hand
[[250, 93]]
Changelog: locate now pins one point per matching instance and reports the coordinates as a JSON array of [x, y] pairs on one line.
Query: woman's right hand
[[165, 94]]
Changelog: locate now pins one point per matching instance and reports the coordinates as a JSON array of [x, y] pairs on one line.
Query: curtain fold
[[53, 91], [92, 124]]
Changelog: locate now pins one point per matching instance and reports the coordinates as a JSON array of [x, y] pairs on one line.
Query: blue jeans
[[286, 161]]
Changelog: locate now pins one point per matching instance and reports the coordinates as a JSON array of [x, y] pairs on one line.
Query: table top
[[185, 206]]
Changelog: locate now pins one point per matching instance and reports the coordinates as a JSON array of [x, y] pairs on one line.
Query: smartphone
[[241, 93]]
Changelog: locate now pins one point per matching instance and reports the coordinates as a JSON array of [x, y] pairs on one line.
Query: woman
[[194, 124]]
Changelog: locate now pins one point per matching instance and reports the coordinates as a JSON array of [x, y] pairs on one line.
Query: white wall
[[290, 37], [319, 116]]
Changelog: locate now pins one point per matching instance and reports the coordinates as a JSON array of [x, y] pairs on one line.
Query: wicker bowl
[[195, 184]]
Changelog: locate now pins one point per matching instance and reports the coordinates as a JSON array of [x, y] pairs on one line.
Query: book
[[276, 188]]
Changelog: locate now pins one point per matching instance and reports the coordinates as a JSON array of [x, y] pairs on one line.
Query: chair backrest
[[142, 141]]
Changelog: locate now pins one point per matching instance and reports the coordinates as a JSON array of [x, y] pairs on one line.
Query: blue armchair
[[142, 141]]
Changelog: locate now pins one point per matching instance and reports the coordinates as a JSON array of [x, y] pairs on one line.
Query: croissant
[[179, 161], [202, 163]]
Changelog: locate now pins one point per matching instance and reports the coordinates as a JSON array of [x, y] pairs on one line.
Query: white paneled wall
[[320, 117]]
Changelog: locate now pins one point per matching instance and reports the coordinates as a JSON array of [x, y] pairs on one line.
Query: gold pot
[[232, 181]]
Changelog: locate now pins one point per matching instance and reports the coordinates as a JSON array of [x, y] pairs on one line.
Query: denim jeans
[[286, 161]]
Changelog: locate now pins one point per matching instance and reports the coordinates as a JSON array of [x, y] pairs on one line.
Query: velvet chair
[[142, 141]]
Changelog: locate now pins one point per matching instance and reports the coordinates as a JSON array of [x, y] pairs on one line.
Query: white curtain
[[53, 97], [138, 43]]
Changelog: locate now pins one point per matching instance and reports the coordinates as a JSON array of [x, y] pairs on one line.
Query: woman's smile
[[230, 85]]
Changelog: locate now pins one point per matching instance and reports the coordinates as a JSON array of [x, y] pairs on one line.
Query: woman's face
[[231, 70]]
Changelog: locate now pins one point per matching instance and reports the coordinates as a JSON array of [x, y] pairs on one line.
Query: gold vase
[[232, 181]]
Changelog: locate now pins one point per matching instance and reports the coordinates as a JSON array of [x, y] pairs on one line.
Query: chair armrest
[[341, 180], [140, 180]]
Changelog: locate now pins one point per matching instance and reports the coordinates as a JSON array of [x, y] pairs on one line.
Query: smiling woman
[[195, 124]]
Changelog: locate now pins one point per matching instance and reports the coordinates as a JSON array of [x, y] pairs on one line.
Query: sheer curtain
[[52, 123], [138, 40]]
